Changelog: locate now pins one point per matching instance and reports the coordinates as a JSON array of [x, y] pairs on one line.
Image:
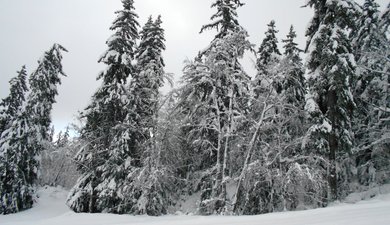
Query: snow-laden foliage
[[152, 184], [10, 106], [57, 167], [331, 70], [268, 50], [371, 93], [121, 163], [296, 136], [27, 132], [106, 150], [18, 165], [277, 173], [214, 98]]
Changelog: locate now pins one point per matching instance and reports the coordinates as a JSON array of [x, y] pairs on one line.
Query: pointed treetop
[[49, 66], [18, 88], [291, 47], [159, 34], [121, 45], [11, 105], [269, 46], [225, 19], [151, 44]]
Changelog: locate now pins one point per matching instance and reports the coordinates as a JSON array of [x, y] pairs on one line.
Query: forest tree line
[[299, 134]]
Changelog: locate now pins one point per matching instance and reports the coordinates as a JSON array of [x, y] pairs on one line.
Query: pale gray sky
[[29, 27]]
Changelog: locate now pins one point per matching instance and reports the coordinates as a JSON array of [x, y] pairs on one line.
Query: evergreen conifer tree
[[331, 68], [11, 198], [152, 181], [18, 165], [104, 161]]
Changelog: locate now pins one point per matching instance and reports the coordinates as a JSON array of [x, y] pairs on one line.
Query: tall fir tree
[[18, 165], [331, 68], [11, 107], [103, 160], [150, 77], [24, 139], [152, 180]]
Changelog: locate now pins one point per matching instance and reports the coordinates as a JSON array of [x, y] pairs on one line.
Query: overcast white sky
[[29, 27]]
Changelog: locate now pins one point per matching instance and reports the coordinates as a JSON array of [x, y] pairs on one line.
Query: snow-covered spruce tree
[[17, 165], [372, 96], [331, 69], [151, 184], [10, 106], [107, 158], [25, 138], [213, 98], [268, 53]]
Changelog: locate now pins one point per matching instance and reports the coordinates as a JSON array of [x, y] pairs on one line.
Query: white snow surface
[[50, 209]]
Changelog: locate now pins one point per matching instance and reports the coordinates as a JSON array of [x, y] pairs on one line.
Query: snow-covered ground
[[51, 210]]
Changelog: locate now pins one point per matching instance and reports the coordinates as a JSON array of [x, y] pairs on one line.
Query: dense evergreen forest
[[300, 134]]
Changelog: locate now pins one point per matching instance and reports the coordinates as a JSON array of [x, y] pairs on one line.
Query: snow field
[[50, 209]]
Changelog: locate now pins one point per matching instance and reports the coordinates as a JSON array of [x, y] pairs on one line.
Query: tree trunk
[[333, 147], [239, 190], [92, 199], [228, 134], [220, 154]]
